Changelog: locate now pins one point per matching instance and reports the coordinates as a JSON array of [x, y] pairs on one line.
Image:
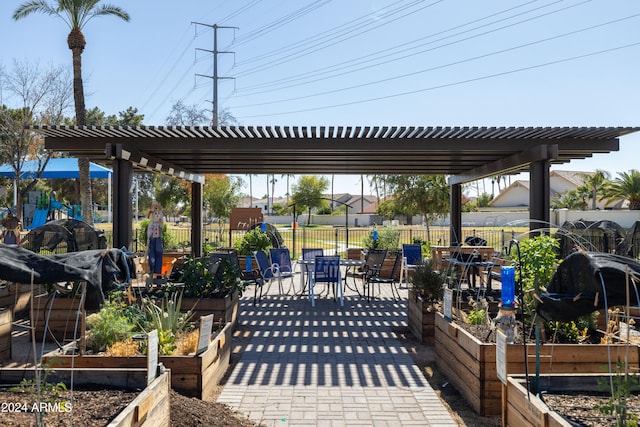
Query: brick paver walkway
[[329, 365]]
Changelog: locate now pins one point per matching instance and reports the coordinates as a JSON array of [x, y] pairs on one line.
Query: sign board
[[152, 355], [501, 355], [447, 303], [244, 218], [206, 325]]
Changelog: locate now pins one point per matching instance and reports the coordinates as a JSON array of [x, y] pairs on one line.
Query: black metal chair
[[381, 278], [373, 262]]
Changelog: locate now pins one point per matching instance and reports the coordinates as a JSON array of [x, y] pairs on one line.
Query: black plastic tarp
[[102, 269], [585, 282]]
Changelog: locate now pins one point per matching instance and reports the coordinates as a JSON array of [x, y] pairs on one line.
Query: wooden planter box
[[422, 319], [195, 376], [522, 410], [470, 365], [225, 310], [387, 267], [17, 296], [149, 409], [62, 319], [6, 317]]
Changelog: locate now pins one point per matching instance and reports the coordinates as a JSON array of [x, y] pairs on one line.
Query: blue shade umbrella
[[59, 168], [56, 168]]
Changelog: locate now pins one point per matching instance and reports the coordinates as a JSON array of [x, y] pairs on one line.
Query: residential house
[[516, 195]]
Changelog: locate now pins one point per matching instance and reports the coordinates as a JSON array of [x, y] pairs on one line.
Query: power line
[[354, 62], [320, 45], [460, 82], [443, 65]]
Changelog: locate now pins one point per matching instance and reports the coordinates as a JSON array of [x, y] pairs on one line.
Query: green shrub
[[114, 322], [388, 238], [168, 240], [253, 240]]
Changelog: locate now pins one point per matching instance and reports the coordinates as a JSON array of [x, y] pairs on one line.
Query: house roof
[[466, 152], [575, 177]]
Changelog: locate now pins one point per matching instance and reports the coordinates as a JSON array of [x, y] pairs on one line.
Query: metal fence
[[335, 240]]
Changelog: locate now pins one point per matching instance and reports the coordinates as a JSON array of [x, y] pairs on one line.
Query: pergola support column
[[123, 197], [539, 196], [456, 214], [196, 219]]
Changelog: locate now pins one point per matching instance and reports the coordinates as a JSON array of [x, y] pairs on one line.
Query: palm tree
[[287, 175], [595, 182], [626, 186], [251, 189], [76, 14]]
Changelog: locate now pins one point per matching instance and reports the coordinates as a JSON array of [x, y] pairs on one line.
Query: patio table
[[347, 263]]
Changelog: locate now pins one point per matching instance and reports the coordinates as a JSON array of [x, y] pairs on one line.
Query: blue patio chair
[[267, 272], [308, 254], [281, 263], [411, 256], [326, 269]]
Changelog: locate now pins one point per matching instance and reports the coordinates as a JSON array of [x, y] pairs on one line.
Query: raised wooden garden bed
[[6, 318], [63, 316], [150, 408], [522, 409], [194, 376], [224, 310], [16, 297], [422, 319], [470, 364]]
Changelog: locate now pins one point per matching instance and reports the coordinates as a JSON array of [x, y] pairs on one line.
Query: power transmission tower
[[215, 76]]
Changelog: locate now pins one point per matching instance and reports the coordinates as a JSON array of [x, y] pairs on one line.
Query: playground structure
[[44, 207]]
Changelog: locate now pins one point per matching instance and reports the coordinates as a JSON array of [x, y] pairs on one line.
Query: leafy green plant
[[537, 261], [253, 240], [424, 244], [109, 325], [200, 282], [42, 391], [621, 385], [427, 282], [479, 311], [167, 319], [388, 238], [168, 240]]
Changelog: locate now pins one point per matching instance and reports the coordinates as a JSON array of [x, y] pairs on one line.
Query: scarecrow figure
[[11, 232], [154, 237]]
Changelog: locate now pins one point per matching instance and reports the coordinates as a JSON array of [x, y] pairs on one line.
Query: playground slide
[[39, 218]]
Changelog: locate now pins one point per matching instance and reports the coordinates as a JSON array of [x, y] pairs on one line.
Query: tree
[[423, 194], [251, 189], [42, 97], [308, 193], [569, 200], [625, 186], [184, 115], [221, 194], [76, 14], [595, 182], [287, 176]]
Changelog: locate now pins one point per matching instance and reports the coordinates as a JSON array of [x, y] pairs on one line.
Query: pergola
[[463, 153]]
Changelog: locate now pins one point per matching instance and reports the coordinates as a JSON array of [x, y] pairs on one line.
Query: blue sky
[[362, 62]]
